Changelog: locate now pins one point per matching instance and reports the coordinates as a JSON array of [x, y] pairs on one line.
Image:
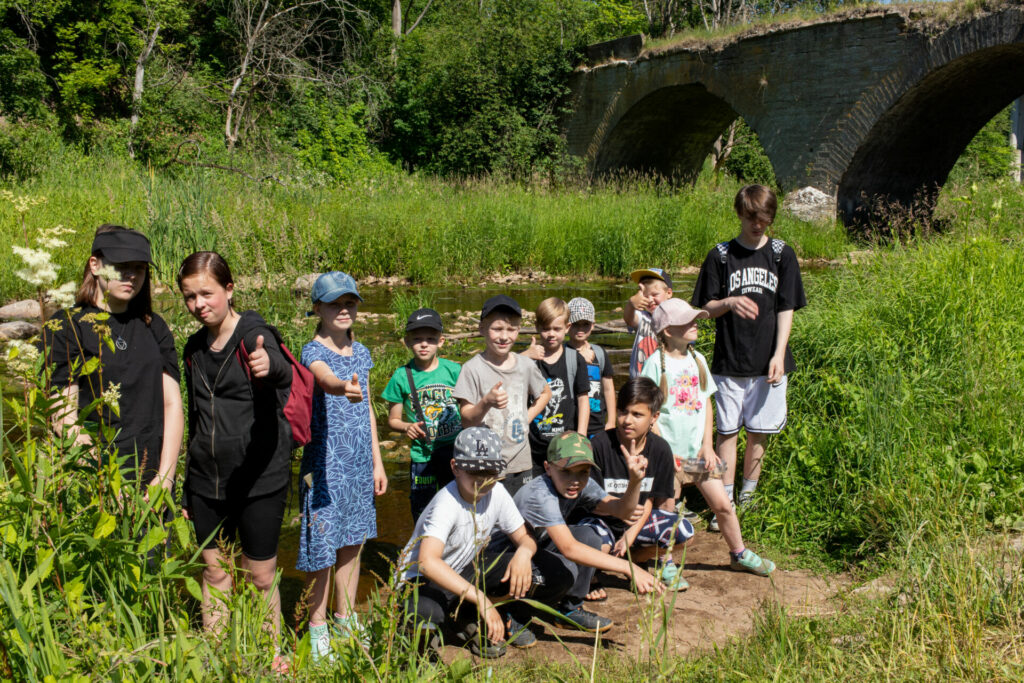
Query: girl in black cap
[[138, 375]]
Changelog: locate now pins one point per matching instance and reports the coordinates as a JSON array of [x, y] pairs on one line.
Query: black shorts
[[256, 521]]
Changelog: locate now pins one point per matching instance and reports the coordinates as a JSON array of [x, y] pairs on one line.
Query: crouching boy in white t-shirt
[[449, 569]]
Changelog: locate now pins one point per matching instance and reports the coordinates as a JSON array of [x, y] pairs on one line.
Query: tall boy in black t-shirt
[[565, 371], [751, 286]]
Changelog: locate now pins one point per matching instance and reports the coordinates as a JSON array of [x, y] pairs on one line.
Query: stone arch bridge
[[877, 104]]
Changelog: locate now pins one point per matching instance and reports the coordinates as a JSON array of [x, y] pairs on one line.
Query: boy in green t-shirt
[[420, 403]]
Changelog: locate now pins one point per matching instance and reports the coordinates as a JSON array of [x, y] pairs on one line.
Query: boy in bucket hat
[[546, 503], [422, 405], [446, 564]]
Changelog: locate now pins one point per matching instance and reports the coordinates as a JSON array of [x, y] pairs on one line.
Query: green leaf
[[181, 530], [104, 525], [193, 588], [90, 366], [153, 537]]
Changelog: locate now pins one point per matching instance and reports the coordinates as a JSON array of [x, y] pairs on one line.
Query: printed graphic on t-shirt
[[685, 394], [551, 421], [749, 281], [594, 375], [509, 422], [440, 410], [617, 487]]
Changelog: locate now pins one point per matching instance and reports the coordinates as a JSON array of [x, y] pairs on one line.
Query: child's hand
[[495, 625], [380, 480], [635, 516], [644, 582], [635, 462], [711, 459], [353, 392], [534, 351], [519, 575], [743, 306], [497, 397], [776, 368], [620, 547], [641, 301], [259, 361], [416, 431]]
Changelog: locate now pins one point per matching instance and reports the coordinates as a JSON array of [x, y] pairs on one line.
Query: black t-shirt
[[138, 369], [598, 405], [559, 415], [612, 474], [743, 348]]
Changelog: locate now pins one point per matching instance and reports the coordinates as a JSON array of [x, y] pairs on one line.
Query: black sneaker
[[587, 621], [519, 635], [478, 643]]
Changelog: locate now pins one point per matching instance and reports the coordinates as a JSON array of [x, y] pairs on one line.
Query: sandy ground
[[719, 605]]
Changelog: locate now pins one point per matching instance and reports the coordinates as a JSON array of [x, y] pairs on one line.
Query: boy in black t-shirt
[[751, 286], [565, 371], [658, 528]]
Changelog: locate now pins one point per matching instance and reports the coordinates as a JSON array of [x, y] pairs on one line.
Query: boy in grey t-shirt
[[547, 501], [495, 388]]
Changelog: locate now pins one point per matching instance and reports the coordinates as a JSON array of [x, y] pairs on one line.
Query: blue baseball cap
[[332, 285]]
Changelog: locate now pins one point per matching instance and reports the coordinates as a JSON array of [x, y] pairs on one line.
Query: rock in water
[[26, 309], [18, 329], [810, 204]]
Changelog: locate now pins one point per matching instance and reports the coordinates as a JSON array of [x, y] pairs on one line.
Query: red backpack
[[297, 400]]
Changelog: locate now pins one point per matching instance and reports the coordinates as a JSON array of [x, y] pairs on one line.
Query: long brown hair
[[141, 305], [209, 263]]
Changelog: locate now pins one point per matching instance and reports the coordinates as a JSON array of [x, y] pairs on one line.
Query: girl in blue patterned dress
[[341, 468]]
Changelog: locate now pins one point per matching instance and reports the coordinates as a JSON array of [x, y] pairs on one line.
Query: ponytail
[[664, 374], [702, 371]]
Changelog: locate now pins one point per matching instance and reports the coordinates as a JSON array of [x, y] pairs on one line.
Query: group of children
[[529, 471]]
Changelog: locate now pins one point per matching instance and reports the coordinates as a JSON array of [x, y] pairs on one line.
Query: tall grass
[[420, 228]]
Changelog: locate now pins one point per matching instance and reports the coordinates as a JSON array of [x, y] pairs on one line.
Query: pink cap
[[675, 312]]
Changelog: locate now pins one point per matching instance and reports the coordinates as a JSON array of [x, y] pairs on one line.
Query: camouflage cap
[[568, 449]]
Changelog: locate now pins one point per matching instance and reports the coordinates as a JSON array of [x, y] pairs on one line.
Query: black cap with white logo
[[424, 317]]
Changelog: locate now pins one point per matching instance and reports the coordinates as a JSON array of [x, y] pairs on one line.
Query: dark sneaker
[[519, 635], [478, 643], [751, 562], [587, 621]]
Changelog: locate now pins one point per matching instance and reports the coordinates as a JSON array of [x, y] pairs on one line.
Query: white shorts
[[750, 402]]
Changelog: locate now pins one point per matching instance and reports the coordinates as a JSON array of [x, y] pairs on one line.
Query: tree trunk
[[396, 18], [138, 87]]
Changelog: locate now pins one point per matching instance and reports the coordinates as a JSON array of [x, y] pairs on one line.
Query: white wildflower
[[22, 203], [112, 398], [108, 273], [50, 238], [41, 270], [63, 296], [21, 357]]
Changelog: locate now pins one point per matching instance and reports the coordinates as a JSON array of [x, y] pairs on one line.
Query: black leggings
[[429, 602], [256, 521]]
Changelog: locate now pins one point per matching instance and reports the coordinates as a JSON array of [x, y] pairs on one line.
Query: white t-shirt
[[449, 518], [682, 418]]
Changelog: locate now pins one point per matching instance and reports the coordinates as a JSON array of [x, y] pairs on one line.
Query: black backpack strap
[[417, 409], [723, 251]]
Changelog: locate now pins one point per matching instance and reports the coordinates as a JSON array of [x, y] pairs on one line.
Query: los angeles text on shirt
[[752, 280]]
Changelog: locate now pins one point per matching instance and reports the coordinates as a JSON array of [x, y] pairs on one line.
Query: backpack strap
[[723, 251], [601, 356], [570, 368], [777, 247], [417, 409]]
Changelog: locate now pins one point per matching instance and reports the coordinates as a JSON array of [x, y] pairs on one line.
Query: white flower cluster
[[50, 238], [112, 398], [21, 357], [108, 273], [63, 296], [41, 270], [22, 203]]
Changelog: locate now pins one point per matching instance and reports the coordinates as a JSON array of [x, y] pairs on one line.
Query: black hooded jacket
[[239, 440]]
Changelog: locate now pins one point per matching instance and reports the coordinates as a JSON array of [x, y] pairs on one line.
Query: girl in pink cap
[[686, 422]]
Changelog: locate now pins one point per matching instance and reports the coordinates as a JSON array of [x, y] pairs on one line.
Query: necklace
[[119, 342]]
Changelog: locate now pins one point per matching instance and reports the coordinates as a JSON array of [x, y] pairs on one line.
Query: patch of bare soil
[[719, 606]]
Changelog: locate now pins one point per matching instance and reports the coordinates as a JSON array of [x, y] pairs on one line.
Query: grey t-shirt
[[541, 506], [523, 383]]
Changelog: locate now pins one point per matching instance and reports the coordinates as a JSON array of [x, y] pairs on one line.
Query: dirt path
[[719, 605]]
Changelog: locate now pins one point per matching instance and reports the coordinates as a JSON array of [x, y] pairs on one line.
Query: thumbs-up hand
[[416, 430], [353, 392], [497, 397], [534, 351], [259, 361]]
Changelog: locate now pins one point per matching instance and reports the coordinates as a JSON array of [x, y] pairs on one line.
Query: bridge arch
[[913, 146], [669, 131]]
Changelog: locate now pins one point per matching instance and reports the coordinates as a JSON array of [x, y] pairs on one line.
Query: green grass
[[423, 229]]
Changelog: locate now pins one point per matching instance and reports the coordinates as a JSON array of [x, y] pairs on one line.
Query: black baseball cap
[[498, 302], [122, 245], [424, 317]]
